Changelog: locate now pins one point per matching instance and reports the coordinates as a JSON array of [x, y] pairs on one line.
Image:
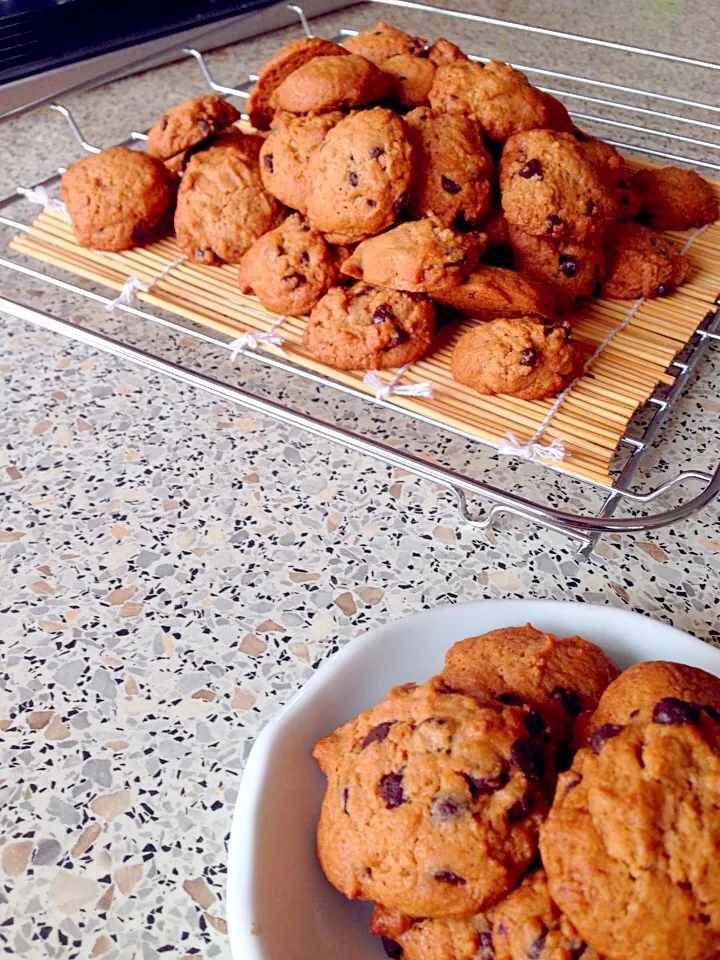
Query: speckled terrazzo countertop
[[172, 569]]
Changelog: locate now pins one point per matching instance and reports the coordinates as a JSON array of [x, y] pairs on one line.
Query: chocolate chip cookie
[[286, 153], [332, 83], [492, 293], [611, 167], [188, 123], [525, 357], [260, 106], [672, 198], [571, 270], [289, 268], [119, 198], [453, 171], [496, 95], [383, 41], [222, 205], [630, 845], [369, 328], [641, 263], [416, 256], [527, 924], [412, 76], [432, 804], [439, 938], [550, 189], [359, 177]]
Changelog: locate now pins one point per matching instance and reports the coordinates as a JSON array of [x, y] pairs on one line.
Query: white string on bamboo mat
[[384, 390], [133, 284], [253, 339], [533, 449], [40, 196]]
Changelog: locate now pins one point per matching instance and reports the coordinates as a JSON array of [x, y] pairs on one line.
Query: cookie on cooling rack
[[118, 198], [260, 104], [492, 293], [526, 357], [496, 95], [412, 78], [286, 153], [383, 41], [289, 268], [433, 802], [453, 171], [369, 328], [641, 263], [416, 256], [358, 181], [672, 198], [188, 123], [330, 83], [222, 205], [438, 938]]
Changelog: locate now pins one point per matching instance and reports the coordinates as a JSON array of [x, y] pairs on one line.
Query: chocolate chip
[[377, 734], [563, 757], [528, 757], [392, 948], [371, 203], [536, 947], [712, 712], [684, 884], [521, 808], [531, 169], [485, 946], [200, 253], [375, 152], [566, 695], [353, 179], [528, 357], [534, 723], [297, 279], [447, 876], [553, 220], [445, 808], [268, 161], [568, 264], [305, 256], [677, 712], [573, 782], [462, 224], [634, 713], [398, 204], [203, 125], [164, 123], [589, 209], [382, 312], [400, 337], [604, 733], [576, 948], [484, 785], [450, 186], [663, 289], [511, 699], [345, 795], [390, 786]]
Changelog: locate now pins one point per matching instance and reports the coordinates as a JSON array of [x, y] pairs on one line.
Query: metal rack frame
[[585, 530]]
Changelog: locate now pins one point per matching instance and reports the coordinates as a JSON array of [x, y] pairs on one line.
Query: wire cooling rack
[[670, 128]]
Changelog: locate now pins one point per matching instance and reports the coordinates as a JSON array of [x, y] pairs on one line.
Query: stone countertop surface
[[173, 569]]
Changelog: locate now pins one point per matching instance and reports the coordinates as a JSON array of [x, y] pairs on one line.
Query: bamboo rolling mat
[[592, 418]]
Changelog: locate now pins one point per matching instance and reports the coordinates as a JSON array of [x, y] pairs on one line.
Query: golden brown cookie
[[260, 105], [641, 263], [558, 677], [571, 270], [631, 843], [188, 123], [496, 95], [289, 268], [286, 153], [358, 181], [527, 924], [383, 41], [119, 198], [369, 328], [432, 803], [412, 76], [416, 256], [332, 83], [492, 293], [444, 51], [672, 198], [549, 187], [453, 170], [525, 357], [440, 938], [222, 205]]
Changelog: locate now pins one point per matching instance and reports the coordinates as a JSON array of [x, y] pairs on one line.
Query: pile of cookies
[[389, 181], [532, 803]]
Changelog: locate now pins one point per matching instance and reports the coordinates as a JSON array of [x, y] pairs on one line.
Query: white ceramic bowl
[[280, 906]]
